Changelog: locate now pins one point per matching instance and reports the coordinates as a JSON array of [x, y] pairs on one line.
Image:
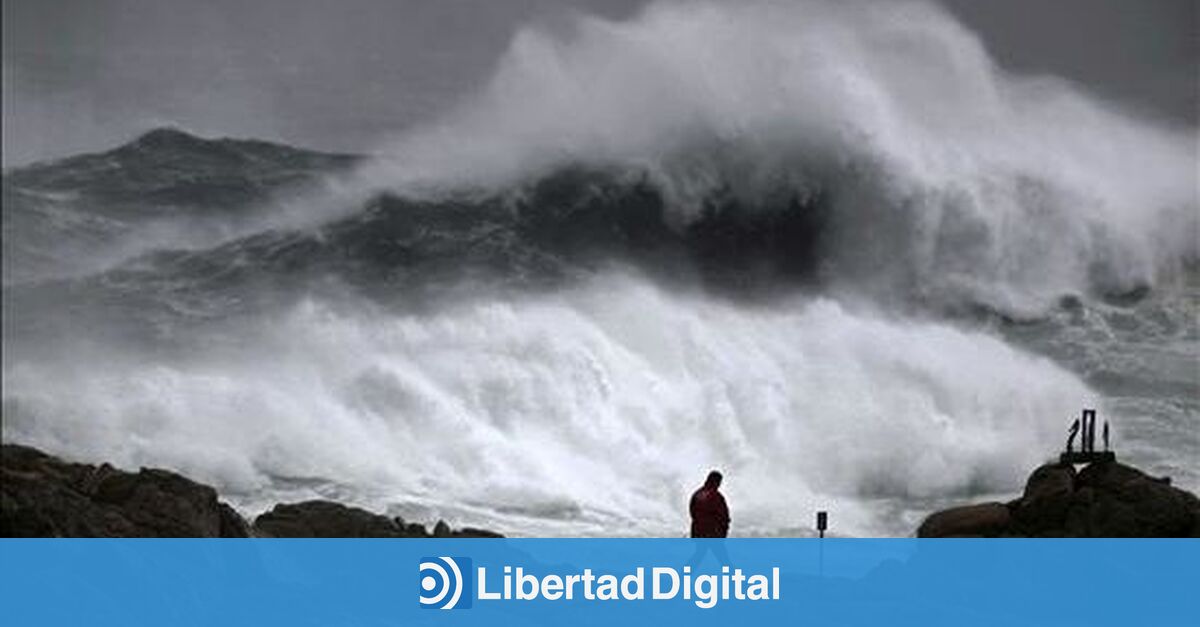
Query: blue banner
[[608, 582]]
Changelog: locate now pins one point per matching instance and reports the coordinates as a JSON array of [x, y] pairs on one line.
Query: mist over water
[[463, 330]]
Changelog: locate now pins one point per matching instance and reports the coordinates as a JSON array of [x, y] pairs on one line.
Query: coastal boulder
[[1114, 500], [1105, 499], [983, 520], [1046, 500], [327, 519], [41, 495]]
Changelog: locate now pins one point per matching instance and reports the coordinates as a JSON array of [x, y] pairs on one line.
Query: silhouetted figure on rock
[[710, 514], [1085, 428]]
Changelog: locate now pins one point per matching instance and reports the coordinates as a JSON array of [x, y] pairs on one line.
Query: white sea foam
[[595, 409], [949, 175]]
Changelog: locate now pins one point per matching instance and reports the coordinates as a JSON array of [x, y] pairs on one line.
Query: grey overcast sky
[[87, 74]]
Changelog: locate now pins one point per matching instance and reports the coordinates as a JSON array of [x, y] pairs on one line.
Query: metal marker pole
[[822, 523]]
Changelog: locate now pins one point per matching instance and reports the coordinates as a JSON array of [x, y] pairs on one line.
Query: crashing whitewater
[[459, 329]]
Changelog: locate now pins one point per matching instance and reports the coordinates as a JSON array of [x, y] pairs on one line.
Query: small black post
[[822, 523]]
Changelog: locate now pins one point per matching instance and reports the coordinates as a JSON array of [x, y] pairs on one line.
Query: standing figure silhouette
[[710, 521], [710, 514]]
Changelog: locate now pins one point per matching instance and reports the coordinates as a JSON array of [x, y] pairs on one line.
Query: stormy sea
[[836, 252]]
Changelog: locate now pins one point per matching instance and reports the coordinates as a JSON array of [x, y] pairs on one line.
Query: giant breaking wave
[[784, 239]]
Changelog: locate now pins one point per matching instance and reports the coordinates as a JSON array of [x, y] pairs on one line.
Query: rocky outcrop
[[1104, 499], [43, 496], [326, 519], [968, 521]]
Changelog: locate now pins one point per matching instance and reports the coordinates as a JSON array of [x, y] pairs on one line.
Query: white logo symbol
[[442, 581]]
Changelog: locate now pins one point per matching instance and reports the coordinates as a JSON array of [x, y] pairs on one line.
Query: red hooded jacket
[[710, 514]]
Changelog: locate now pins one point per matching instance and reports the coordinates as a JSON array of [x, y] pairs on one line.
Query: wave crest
[[950, 176]]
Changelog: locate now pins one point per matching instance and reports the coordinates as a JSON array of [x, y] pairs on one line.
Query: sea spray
[[594, 407], [951, 177], [961, 206]]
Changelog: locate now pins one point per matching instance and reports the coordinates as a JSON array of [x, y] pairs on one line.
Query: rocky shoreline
[[44, 496], [1104, 499]]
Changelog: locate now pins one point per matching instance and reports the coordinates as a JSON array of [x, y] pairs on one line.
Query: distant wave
[[165, 190], [874, 148]]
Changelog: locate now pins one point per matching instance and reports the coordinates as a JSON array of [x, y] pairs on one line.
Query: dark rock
[[1046, 499], [472, 532], [983, 520], [45, 496], [232, 523], [1125, 502], [416, 530], [1104, 499], [326, 519], [1050, 481]]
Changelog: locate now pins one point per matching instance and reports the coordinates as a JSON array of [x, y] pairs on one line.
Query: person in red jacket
[[710, 514]]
